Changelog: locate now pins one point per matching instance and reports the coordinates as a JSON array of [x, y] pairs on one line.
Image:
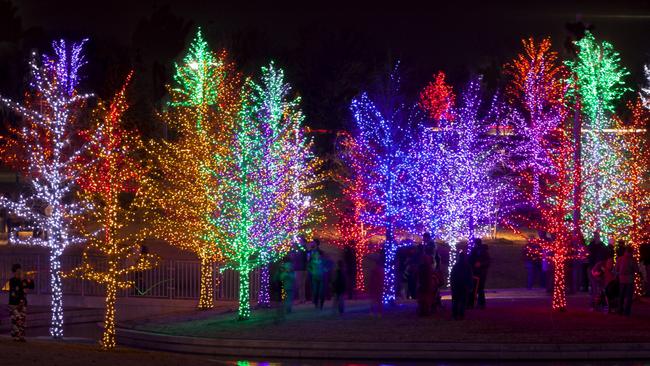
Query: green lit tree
[[597, 84], [262, 182]]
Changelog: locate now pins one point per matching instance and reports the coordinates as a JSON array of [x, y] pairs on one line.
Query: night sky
[[330, 51]]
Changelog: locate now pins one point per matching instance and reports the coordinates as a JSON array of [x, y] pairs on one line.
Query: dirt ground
[[504, 321]]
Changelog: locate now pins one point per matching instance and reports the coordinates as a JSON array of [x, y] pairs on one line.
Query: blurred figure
[[627, 268], [425, 292], [461, 285], [603, 272], [644, 252], [316, 269], [596, 253], [479, 259], [18, 302], [299, 263], [339, 287], [532, 262], [376, 285], [287, 279], [349, 255]]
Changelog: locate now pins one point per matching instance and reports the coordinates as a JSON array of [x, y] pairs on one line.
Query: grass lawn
[[504, 321]]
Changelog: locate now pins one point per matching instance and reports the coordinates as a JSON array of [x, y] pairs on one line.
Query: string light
[[108, 169], [44, 151]]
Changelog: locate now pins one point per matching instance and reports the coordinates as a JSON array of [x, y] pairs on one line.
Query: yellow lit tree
[[108, 174], [204, 105]]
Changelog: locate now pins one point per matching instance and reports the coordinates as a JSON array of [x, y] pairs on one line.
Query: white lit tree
[[43, 148]]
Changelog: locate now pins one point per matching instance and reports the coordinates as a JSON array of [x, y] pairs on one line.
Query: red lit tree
[[437, 98]]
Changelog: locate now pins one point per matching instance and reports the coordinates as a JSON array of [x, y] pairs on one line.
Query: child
[[18, 302]]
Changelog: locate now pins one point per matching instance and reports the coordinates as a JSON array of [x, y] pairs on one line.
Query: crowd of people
[[309, 274], [607, 272]]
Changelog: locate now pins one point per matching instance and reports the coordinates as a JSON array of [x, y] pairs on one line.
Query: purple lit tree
[[471, 193]]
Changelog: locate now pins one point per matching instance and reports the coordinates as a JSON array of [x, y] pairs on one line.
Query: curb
[[381, 350]]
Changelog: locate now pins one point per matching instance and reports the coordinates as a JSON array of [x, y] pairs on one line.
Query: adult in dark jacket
[[339, 287], [461, 283], [479, 259], [18, 302], [626, 268]]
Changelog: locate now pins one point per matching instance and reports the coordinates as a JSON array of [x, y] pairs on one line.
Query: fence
[[173, 279]]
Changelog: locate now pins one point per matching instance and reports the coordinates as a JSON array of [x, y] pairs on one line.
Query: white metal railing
[[173, 279]]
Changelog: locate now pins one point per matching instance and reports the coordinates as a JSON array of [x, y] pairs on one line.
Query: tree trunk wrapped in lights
[[108, 170], [43, 149], [204, 105], [261, 186]]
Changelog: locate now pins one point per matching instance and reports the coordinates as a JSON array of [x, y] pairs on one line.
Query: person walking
[[18, 284], [299, 264], [339, 287], [316, 268], [461, 285], [626, 268], [479, 259]]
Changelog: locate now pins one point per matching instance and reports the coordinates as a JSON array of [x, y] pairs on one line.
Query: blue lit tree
[[383, 136]]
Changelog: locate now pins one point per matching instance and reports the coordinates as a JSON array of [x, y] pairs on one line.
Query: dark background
[[330, 50]]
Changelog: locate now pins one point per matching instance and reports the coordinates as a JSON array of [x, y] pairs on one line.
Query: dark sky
[[332, 50]]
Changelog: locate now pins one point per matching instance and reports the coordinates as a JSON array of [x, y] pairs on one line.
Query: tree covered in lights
[[43, 147], [201, 116], [554, 213], [261, 185], [438, 99], [108, 172], [383, 134], [428, 155], [632, 146], [471, 194], [597, 83], [349, 209], [537, 90]]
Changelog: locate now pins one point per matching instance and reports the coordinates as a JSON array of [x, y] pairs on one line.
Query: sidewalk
[[517, 324]]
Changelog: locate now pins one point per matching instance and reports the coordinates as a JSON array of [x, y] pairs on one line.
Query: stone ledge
[[380, 350]]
